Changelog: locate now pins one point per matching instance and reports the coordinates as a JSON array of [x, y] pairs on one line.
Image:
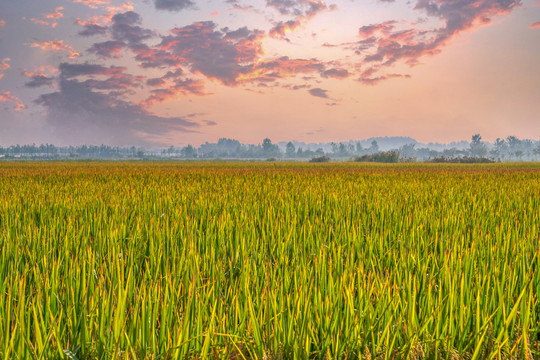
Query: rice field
[[269, 261]]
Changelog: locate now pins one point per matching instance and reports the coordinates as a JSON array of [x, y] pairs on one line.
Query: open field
[[269, 260]]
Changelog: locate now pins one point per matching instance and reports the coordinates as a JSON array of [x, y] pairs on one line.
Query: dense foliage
[[269, 260]]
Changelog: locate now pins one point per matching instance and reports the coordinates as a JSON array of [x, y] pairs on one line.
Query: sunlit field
[[269, 261]]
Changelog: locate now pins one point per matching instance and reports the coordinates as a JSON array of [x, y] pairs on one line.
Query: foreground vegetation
[[269, 261]]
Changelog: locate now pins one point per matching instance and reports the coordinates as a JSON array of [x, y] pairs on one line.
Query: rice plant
[[269, 261]]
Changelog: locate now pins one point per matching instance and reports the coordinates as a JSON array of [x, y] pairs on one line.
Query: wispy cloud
[[94, 4], [536, 25], [6, 97], [50, 18], [56, 46], [4, 66], [384, 44], [37, 79], [302, 10]]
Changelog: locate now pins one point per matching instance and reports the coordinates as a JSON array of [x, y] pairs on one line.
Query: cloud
[[37, 79], [56, 14], [318, 92], [126, 31], [179, 86], [116, 77], [305, 8], [91, 28], [536, 25], [4, 66], [6, 97], [223, 55], [281, 28], [56, 46], [387, 43], [49, 19], [108, 49], [2, 23], [125, 27], [335, 73], [94, 4], [173, 5], [81, 112], [369, 30], [302, 10]]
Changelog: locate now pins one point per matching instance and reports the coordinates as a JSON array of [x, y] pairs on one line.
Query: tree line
[[508, 149]]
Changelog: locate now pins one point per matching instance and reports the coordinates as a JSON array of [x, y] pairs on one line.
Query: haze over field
[[178, 72]]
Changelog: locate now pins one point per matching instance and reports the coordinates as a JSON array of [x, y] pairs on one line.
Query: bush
[[320, 159], [461, 160], [381, 157]]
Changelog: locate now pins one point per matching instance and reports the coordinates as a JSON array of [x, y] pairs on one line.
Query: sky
[[156, 73]]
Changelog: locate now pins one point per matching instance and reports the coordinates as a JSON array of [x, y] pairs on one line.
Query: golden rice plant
[[269, 261]]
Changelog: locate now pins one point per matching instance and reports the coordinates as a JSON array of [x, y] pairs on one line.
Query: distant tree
[[477, 147], [290, 150], [374, 147], [476, 139], [335, 147], [189, 152], [269, 148], [359, 147]]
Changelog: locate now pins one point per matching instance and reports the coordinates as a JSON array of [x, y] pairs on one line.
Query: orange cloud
[[536, 25], [2, 23], [8, 98], [55, 15], [280, 29], [56, 46], [4, 66]]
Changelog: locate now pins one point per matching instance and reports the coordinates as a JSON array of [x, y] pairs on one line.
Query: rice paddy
[[269, 261]]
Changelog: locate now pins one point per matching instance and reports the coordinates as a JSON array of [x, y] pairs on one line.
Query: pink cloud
[[2, 23], [179, 87], [56, 14], [303, 11], [4, 66], [8, 98], [385, 44], [536, 25], [49, 18], [56, 46]]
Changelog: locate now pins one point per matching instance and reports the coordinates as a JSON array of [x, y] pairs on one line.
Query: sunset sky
[[173, 72]]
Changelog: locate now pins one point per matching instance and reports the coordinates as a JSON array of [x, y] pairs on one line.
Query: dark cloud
[[306, 8], [318, 92], [68, 70], [82, 113], [39, 80], [173, 5], [126, 28], [107, 49], [223, 55], [335, 73], [92, 30], [125, 31], [116, 77]]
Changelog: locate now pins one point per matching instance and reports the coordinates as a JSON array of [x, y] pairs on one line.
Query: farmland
[[269, 260]]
